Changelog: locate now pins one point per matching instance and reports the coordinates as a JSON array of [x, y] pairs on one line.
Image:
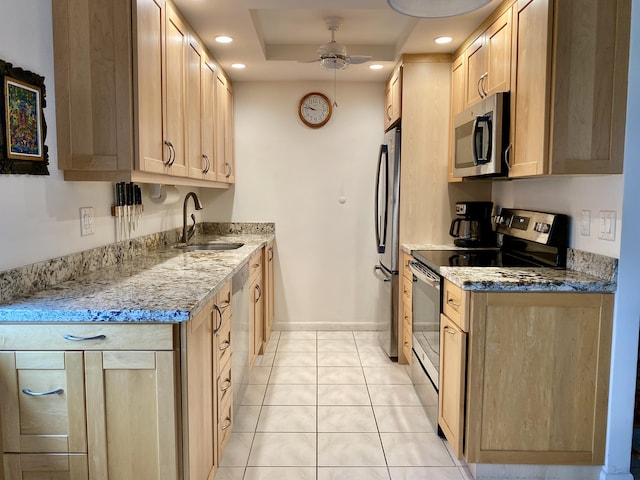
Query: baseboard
[[325, 326]]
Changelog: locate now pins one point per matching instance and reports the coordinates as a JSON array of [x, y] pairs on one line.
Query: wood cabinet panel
[[225, 153], [458, 103], [42, 406], [269, 283], [28, 466], [455, 305], [393, 98], [132, 416], [453, 373], [556, 348], [498, 44], [476, 58]]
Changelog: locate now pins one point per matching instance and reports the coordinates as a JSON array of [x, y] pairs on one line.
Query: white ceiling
[[271, 36]]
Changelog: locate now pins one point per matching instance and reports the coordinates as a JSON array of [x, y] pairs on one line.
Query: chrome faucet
[[187, 234]]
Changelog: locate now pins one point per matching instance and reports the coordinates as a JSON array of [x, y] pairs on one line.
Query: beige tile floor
[[332, 406]]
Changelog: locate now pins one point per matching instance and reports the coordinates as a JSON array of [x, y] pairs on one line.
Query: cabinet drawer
[[31, 466], [224, 383], [42, 407], [223, 344], [225, 422], [454, 305], [407, 291], [86, 336], [406, 272], [255, 265]]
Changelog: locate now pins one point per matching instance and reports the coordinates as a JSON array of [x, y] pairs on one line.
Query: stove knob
[[542, 227]]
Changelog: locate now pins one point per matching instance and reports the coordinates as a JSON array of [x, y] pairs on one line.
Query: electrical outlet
[[585, 223], [86, 221], [607, 228]]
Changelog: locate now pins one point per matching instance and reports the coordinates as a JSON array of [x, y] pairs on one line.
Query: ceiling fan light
[[435, 8], [333, 63]]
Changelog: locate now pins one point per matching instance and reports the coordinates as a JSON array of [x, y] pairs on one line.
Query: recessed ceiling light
[[238, 66], [442, 40], [224, 39], [376, 66]]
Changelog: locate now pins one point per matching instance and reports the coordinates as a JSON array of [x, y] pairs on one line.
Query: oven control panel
[[539, 227]]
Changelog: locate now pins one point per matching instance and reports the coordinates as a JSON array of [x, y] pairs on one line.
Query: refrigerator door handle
[[381, 221], [383, 277]]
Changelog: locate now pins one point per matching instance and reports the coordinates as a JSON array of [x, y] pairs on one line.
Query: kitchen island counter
[[167, 284]]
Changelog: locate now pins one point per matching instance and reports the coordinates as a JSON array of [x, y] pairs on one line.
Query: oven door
[[426, 318]]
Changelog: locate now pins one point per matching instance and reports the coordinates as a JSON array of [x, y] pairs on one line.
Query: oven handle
[[429, 278]]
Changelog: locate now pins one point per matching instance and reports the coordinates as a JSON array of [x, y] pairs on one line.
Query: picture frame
[[23, 127]]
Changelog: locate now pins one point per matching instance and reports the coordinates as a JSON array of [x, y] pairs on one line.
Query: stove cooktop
[[435, 259]]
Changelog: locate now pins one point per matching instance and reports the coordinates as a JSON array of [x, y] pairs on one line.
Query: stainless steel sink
[[212, 246]]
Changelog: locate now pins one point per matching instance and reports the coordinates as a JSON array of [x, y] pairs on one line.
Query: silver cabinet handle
[[73, 338], [483, 83], [227, 169], [389, 115], [218, 320], [450, 331], [206, 164], [226, 385], [453, 303], [507, 156], [226, 344], [224, 427], [31, 393], [259, 290], [478, 87], [270, 253]]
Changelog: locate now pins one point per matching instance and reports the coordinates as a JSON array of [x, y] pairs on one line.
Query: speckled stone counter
[[585, 272], [163, 285]]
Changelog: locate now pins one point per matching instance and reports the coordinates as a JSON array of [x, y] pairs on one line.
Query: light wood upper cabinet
[[570, 76], [208, 120], [488, 61], [225, 149], [122, 74], [458, 103], [393, 98]]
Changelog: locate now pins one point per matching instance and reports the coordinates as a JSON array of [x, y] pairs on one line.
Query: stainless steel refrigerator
[[387, 211]]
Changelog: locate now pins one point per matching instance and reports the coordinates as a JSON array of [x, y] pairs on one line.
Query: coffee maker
[[472, 228]]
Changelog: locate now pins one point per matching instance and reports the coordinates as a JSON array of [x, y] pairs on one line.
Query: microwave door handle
[[380, 221], [480, 124]]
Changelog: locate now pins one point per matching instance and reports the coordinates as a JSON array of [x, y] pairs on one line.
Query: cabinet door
[[458, 103], [538, 377], [131, 414], [174, 92], [257, 293], [531, 82], [268, 292], [396, 95], [476, 69], [224, 131], [45, 466], [200, 396], [42, 407], [498, 44], [453, 355], [388, 105], [194, 114], [150, 21], [208, 120]]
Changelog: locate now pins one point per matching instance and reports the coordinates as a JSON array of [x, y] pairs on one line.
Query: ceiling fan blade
[[355, 59], [309, 61]]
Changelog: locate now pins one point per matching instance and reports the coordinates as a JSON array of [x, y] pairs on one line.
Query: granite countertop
[[585, 272], [164, 285]]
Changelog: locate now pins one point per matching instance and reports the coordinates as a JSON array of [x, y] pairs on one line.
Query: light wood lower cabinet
[[537, 377], [125, 401], [406, 312], [269, 265]]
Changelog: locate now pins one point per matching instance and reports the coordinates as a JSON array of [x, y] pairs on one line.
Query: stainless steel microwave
[[481, 138]]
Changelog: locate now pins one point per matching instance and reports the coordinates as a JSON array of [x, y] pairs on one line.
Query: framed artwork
[[22, 124]]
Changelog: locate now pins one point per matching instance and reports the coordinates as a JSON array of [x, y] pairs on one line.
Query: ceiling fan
[[333, 55]]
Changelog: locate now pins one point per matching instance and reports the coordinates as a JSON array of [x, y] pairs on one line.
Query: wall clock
[[314, 109]]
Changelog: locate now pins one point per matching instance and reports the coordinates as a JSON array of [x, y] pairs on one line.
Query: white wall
[[39, 216], [294, 176], [569, 195]]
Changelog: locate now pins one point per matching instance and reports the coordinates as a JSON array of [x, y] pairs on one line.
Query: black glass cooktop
[[435, 259]]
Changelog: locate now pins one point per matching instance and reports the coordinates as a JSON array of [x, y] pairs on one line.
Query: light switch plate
[[607, 225], [585, 223], [86, 221]]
